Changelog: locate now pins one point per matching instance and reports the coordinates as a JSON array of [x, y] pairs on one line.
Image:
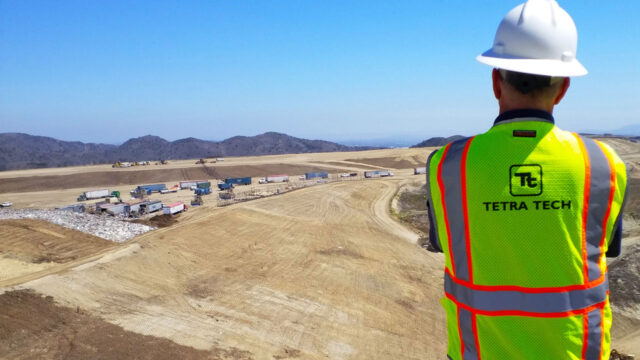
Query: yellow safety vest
[[524, 214]]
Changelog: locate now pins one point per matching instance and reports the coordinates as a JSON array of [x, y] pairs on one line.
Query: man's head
[[516, 90]]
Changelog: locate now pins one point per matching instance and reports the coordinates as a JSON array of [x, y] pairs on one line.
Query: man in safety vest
[[526, 213]]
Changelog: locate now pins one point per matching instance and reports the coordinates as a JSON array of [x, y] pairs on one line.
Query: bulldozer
[[197, 200]]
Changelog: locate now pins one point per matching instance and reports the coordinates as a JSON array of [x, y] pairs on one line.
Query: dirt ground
[[48, 331], [392, 162], [324, 272], [31, 246], [115, 177]]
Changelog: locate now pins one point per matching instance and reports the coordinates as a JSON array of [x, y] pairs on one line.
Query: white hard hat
[[537, 37]]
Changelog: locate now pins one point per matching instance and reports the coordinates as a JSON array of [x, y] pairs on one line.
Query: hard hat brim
[[546, 67]]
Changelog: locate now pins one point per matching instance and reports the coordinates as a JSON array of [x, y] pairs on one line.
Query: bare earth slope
[[317, 273]]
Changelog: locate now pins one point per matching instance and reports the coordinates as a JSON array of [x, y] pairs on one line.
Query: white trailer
[[174, 208], [277, 178], [150, 207], [190, 183], [94, 194], [117, 209], [377, 173], [419, 170]]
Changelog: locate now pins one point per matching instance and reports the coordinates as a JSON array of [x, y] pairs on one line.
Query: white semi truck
[[94, 194]]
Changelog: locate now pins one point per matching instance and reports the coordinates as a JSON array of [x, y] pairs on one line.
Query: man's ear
[[497, 83], [563, 90]]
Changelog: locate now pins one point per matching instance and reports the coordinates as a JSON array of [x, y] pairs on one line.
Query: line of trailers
[[130, 208]]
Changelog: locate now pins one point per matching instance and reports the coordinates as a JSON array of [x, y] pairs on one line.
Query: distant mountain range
[[438, 141], [23, 151]]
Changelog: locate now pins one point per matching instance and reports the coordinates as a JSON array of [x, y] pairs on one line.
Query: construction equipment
[[197, 200]]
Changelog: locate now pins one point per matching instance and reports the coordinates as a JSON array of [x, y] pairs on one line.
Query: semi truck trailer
[[238, 181], [95, 194], [316, 175]]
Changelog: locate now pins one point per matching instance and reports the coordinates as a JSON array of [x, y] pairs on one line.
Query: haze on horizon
[[107, 71]]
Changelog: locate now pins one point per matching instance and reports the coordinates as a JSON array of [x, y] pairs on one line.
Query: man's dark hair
[[528, 83]]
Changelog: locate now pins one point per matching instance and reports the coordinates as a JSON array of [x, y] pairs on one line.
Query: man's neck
[[504, 107]]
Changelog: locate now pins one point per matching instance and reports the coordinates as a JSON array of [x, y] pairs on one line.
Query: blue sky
[[109, 70]]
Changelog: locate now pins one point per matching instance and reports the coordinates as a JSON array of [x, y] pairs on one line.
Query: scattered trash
[[108, 228]]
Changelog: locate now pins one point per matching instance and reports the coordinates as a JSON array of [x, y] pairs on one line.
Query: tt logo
[[525, 180]]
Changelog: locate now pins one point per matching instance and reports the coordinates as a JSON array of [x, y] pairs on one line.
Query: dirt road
[[317, 273]]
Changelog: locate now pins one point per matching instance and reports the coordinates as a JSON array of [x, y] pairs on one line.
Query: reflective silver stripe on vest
[[465, 322], [433, 223], [507, 300], [452, 179], [600, 187], [594, 339]]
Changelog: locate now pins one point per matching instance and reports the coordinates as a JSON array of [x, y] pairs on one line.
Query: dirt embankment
[[119, 177], [410, 207], [38, 241], [34, 327]]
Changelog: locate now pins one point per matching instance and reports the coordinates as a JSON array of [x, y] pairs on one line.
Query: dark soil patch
[[413, 200], [159, 221], [34, 327], [288, 353]]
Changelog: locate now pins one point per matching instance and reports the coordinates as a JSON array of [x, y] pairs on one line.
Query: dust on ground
[[34, 327]]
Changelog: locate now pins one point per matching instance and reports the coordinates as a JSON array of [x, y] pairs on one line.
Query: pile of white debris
[[101, 226]]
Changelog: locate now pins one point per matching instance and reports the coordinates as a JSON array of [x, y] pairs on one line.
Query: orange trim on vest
[[460, 334], [601, 331], [612, 191], [474, 327], [525, 289], [585, 336], [586, 310], [444, 206]]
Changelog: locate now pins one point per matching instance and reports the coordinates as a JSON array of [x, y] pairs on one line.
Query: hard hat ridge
[[536, 37]]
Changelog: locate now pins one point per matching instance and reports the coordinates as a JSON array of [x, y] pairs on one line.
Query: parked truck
[[419, 170], [238, 181], [119, 209], [225, 186], [377, 173], [189, 183], [316, 175], [172, 189], [174, 208], [202, 191], [203, 184], [277, 178], [96, 194], [150, 207], [148, 189]]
